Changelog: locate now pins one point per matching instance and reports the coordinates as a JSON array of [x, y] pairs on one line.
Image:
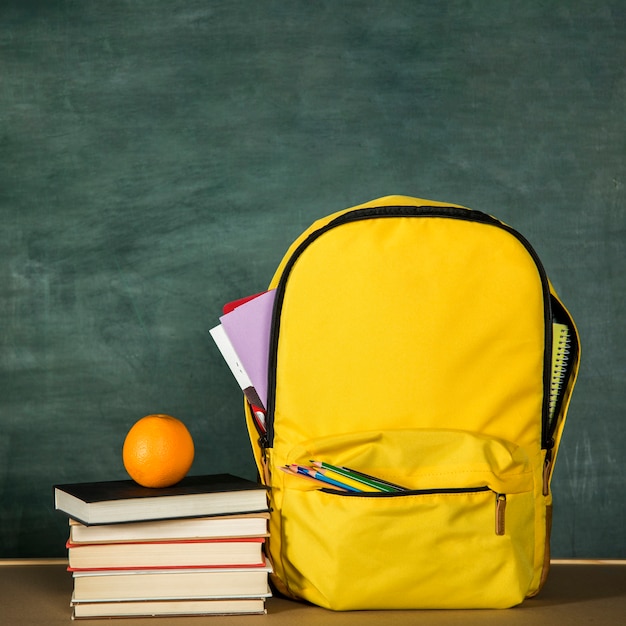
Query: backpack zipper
[[471, 215], [406, 492]]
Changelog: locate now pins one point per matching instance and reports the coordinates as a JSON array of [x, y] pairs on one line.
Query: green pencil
[[365, 479]]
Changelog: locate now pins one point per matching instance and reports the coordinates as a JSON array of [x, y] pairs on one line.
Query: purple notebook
[[248, 328]]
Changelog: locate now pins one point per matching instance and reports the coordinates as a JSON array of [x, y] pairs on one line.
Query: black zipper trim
[[449, 212], [561, 315], [406, 492]]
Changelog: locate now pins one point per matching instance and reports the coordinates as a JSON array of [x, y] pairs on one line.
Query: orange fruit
[[158, 451]]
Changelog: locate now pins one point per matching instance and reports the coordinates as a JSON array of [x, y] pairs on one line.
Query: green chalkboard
[[157, 158]]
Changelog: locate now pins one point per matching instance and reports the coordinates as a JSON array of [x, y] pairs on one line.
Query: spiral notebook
[[560, 360]]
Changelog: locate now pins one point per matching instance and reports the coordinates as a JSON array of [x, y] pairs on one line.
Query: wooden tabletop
[[36, 592]]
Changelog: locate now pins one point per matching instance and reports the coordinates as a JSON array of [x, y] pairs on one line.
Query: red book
[[231, 306]]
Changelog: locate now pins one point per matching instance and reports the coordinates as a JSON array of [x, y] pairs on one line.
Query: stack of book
[[192, 549]]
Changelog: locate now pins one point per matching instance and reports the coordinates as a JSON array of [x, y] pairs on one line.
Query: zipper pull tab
[[500, 508], [547, 470], [264, 462]]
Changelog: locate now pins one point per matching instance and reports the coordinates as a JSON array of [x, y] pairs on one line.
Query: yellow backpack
[[420, 344]]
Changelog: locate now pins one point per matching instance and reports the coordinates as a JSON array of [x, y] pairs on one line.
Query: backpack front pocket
[[461, 535]]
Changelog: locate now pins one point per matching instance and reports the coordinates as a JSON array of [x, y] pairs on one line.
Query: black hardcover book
[[118, 501]]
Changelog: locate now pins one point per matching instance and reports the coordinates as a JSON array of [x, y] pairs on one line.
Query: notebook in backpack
[[413, 341]]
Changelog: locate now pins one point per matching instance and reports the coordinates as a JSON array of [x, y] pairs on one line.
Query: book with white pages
[[190, 583], [244, 525], [170, 608]]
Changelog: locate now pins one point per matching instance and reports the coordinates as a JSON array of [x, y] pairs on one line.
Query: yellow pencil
[[347, 480]]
